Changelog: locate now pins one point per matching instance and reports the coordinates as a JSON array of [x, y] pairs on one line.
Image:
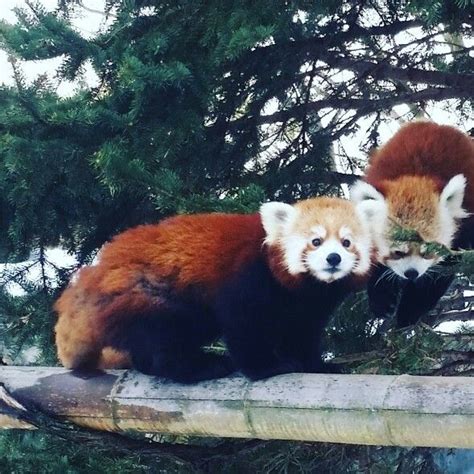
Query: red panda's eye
[[399, 254], [316, 242], [346, 243]]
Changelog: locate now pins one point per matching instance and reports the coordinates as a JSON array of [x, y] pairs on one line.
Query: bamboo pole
[[360, 409]]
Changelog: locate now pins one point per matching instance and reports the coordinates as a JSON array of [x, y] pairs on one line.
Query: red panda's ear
[[452, 196], [275, 218], [362, 191], [370, 204]]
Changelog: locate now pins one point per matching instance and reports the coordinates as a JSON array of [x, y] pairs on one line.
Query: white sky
[[87, 24]]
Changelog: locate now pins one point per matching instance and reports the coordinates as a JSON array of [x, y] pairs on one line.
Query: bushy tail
[[93, 310], [78, 345]]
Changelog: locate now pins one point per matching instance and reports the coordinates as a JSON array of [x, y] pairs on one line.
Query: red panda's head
[[417, 203], [325, 237]]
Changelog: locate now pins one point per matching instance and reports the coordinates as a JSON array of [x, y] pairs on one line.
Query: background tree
[[207, 105]]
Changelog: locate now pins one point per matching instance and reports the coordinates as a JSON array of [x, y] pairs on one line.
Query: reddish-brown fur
[[424, 150], [411, 171], [200, 250], [111, 358], [185, 255]]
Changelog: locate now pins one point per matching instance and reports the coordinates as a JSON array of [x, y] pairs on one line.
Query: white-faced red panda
[[421, 179], [267, 283]]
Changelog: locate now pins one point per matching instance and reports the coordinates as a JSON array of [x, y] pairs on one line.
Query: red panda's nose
[[333, 259], [411, 274]]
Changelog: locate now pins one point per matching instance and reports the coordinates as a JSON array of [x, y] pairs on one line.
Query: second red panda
[[421, 179]]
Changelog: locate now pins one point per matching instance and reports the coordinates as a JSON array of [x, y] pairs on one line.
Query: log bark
[[358, 409]]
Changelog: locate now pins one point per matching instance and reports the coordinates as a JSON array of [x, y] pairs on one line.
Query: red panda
[[266, 282], [422, 179]]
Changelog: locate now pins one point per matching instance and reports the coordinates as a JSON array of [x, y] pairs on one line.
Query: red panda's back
[[425, 149], [201, 249], [137, 269]]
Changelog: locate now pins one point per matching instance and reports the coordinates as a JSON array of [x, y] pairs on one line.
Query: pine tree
[[207, 105]]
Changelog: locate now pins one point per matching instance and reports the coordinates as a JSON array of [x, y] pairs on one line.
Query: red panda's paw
[[111, 358], [286, 366], [211, 366], [187, 367]]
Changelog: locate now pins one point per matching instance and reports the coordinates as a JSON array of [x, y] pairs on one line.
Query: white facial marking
[[415, 262], [319, 231], [319, 266], [364, 247], [294, 247], [345, 233]]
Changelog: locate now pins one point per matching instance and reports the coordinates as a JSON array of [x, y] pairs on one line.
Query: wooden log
[[360, 409]]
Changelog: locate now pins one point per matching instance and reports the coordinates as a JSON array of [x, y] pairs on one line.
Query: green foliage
[[49, 191], [441, 10], [28, 452], [201, 105], [466, 263], [26, 323], [351, 329], [415, 352], [24, 452], [356, 342], [402, 234]]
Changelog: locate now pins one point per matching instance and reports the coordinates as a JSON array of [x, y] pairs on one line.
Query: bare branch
[[366, 106], [93, 10], [383, 71], [462, 315]]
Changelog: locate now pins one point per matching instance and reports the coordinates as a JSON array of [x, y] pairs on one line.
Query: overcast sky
[[88, 23]]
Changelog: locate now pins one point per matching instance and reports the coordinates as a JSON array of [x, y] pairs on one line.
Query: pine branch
[[364, 106], [457, 315], [358, 357], [94, 10], [458, 367], [464, 83], [322, 44], [42, 262]]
